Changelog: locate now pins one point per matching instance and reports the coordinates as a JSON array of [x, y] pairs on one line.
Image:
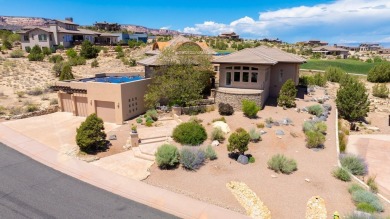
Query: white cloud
[[358, 19], [166, 27]]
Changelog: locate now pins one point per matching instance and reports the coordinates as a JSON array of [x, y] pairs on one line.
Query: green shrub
[[363, 196], [238, 141], [54, 101], [27, 49], [167, 156], [354, 187], [94, 63], [250, 108], [88, 51], [2, 110], [90, 135], [315, 110], [148, 119], [315, 126], [57, 68], [120, 55], [36, 54], [252, 160], [217, 134], [6, 45], [78, 60], [342, 142], [20, 94], [260, 125], [379, 73], [269, 120], [17, 53], [210, 153], [314, 139], [321, 127], [192, 158], [152, 113], [254, 135], [149, 123], [318, 79], [46, 51], [334, 74], [189, 133], [341, 174], [365, 207], [139, 120], [372, 184], [304, 80], [118, 48], [225, 109], [56, 59], [32, 108], [66, 73], [380, 90], [195, 119], [280, 163], [71, 53], [222, 119], [287, 94], [61, 47], [36, 91], [354, 164]]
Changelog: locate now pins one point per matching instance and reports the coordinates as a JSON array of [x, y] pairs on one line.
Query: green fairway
[[348, 65]]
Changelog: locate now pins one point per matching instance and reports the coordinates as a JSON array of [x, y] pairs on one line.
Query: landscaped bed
[[285, 195]]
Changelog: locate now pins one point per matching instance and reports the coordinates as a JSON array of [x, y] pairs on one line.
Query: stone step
[[153, 139], [165, 119], [138, 154]]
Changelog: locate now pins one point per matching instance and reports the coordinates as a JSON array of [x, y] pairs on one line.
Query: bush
[[36, 91], [314, 139], [365, 207], [269, 120], [78, 60], [372, 184], [280, 163], [363, 196], [90, 135], [32, 108], [139, 120], [254, 135], [36, 54], [260, 125], [46, 51], [149, 123], [88, 51], [61, 47], [315, 110], [189, 133], [379, 73], [225, 109], [6, 45], [152, 113], [71, 53], [250, 108], [94, 63], [252, 160], [238, 141], [217, 134], [66, 73], [334, 74], [118, 48], [54, 101], [192, 158], [17, 53], [287, 94], [57, 68], [354, 187], [195, 119], [222, 119], [167, 156], [20, 94], [27, 49], [120, 55], [210, 153], [342, 142], [56, 59], [315, 126], [341, 174], [354, 164], [380, 90], [318, 79]]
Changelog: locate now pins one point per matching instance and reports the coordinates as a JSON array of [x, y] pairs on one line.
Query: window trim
[[257, 77]]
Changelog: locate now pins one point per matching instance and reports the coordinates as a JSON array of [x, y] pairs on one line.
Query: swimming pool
[[114, 79]]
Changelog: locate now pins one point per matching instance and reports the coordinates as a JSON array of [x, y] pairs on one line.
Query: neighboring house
[[177, 43], [255, 74], [313, 43], [124, 100], [61, 32], [349, 48], [369, 47], [384, 51], [331, 50], [231, 35], [137, 36], [271, 40], [107, 26]]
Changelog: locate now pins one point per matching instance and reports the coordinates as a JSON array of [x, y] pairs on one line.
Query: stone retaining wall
[[51, 109], [235, 99]]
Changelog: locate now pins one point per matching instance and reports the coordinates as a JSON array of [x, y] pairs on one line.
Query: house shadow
[[302, 91], [273, 101]]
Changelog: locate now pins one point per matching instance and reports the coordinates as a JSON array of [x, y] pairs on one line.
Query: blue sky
[[337, 21]]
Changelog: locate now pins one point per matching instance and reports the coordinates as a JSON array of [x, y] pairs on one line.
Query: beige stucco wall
[[289, 70], [261, 82], [133, 103], [34, 40]]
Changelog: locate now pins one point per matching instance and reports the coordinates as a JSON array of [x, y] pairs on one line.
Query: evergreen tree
[[287, 94], [90, 135], [36, 54], [88, 51], [66, 73]]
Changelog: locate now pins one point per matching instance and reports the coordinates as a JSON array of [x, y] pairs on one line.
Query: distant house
[[384, 51], [137, 36], [271, 40], [231, 35], [107, 26], [313, 43], [331, 50], [61, 32], [255, 74], [369, 47]]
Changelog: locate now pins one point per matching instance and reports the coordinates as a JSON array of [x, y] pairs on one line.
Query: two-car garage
[[105, 110]]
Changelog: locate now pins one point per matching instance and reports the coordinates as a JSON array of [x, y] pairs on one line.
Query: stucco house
[[255, 74], [62, 32], [331, 50]]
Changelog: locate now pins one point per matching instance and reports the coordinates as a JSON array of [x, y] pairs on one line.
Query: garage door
[[81, 106], [66, 103], [106, 110]]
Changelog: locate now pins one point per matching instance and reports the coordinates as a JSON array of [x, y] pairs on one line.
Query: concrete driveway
[[56, 130], [375, 149]]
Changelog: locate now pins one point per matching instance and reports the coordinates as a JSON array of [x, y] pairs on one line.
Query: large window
[[68, 38], [237, 76], [42, 37], [254, 77], [245, 76], [25, 38], [228, 78]]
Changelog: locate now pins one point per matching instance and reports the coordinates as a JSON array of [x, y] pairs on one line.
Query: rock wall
[[51, 109], [235, 99]]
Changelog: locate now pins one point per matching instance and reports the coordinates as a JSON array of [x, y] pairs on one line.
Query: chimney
[[335, 45], [69, 19]]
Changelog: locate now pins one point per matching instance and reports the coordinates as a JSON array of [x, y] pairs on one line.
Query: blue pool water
[[114, 79]]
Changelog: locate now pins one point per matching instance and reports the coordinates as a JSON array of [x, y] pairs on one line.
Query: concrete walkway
[[158, 198]]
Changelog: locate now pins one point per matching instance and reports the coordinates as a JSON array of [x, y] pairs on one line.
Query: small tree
[[36, 54], [88, 51], [66, 73], [71, 53], [7, 45], [379, 73], [334, 74], [352, 100], [250, 108], [380, 90], [90, 135], [94, 63], [238, 141], [287, 94]]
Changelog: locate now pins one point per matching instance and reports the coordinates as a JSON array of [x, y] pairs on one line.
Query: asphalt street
[[29, 189]]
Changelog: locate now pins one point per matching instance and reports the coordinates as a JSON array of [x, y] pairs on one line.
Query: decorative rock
[[372, 128], [242, 159], [315, 208], [215, 143], [276, 124], [297, 110], [254, 207], [307, 180], [304, 109], [112, 137], [279, 132], [262, 132], [268, 125], [222, 125], [273, 176]]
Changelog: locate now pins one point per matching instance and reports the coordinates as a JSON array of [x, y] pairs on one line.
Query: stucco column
[[74, 104], [134, 139], [60, 101]]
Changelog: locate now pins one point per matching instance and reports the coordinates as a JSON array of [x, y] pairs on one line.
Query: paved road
[[29, 189]]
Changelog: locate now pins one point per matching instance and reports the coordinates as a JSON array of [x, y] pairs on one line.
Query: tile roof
[[329, 48], [67, 22], [260, 55]]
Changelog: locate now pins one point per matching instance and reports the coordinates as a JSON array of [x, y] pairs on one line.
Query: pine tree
[[287, 94], [66, 73], [90, 135]]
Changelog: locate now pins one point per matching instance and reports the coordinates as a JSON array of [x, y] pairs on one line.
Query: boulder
[[242, 159], [268, 125], [215, 143], [279, 132], [222, 125], [262, 132], [315, 208], [372, 128], [112, 137]]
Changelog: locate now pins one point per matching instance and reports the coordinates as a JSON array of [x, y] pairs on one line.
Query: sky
[[336, 21]]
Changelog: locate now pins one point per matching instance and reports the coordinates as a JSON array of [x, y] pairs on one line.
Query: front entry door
[[228, 78]]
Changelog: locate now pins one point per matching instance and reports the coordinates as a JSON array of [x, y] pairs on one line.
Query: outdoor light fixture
[[118, 105]]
